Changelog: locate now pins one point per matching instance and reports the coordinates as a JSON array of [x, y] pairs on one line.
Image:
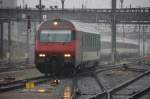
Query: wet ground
[[87, 85]]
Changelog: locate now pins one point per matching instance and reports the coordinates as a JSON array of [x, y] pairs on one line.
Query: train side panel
[[78, 51], [87, 49]]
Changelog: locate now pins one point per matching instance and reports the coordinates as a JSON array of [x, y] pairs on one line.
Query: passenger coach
[[62, 44]]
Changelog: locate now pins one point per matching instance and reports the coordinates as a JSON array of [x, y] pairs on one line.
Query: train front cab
[[54, 64], [54, 56]]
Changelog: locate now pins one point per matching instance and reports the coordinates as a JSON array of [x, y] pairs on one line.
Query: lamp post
[[1, 40], [23, 3], [113, 30], [40, 10], [121, 1], [1, 3], [62, 2], [28, 40]]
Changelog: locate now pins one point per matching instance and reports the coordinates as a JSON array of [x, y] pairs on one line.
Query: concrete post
[[143, 40], [27, 47], [1, 41], [113, 29], [139, 41], [9, 42]]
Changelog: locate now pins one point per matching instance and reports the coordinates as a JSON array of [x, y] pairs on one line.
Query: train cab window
[[55, 36], [73, 35]]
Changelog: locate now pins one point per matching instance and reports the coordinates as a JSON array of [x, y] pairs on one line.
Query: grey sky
[[88, 3]]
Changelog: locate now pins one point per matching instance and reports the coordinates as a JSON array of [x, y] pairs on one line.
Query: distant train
[[146, 59], [60, 44]]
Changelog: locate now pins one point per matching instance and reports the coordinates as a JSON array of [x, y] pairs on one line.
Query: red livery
[[60, 44]]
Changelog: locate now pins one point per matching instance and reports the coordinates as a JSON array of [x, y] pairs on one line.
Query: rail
[[140, 94], [20, 83], [108, 94]]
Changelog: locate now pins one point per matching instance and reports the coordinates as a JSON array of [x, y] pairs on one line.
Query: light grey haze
[[86, 3]]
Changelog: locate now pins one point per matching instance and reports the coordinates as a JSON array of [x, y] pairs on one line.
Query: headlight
[[67, 55], [42, 55], [55, 23]]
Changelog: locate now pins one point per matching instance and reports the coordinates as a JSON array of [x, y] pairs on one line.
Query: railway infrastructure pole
[[113, 30], [1, 40], [40, 10], [62, 3], [40, 7], [121, 2], [27, 47], [9, 41], [28, 40], [139, 41], [143, 40]]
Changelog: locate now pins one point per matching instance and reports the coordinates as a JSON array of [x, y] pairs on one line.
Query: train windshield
[[55, 36]]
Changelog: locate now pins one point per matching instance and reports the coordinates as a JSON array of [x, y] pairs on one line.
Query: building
[[8, 3]]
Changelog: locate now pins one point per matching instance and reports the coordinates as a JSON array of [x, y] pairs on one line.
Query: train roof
[[77, 25], [86, 27], [90, 28]]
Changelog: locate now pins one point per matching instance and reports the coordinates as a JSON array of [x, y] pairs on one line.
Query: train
[[146, 59], [62, 44]]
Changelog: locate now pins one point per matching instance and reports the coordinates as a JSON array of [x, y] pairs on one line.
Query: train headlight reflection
[[41, 90], [67, 55], [55, 23], [42, 55], [67, 93]]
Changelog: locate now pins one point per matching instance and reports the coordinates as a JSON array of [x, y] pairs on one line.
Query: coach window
[[82, 41], [91, 41], [91, 36], [94, 41], [88, 41], [97, 40]]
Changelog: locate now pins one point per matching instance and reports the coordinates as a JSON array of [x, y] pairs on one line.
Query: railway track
[[75, 89], [15, 67], [93, 73], [66, 87], [130, 89], [140, 94], [11, 85], [66, 90], [88, 84]]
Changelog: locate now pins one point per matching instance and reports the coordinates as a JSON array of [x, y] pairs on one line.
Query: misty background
[[86, 3]]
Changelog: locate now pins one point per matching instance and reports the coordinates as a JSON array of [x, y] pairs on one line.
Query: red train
[[61, 44]]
